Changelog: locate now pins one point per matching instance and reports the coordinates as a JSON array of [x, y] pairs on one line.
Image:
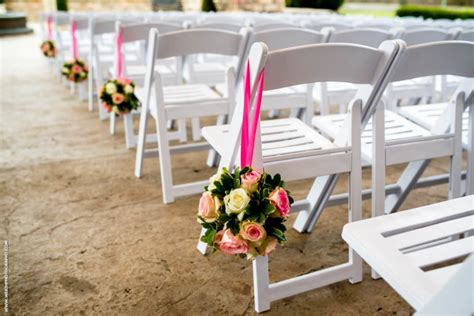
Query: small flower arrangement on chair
[[244, 212], [118, 96], [48, 48], [75, 70]]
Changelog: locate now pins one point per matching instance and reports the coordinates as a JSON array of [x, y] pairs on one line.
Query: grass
[[390, 13]]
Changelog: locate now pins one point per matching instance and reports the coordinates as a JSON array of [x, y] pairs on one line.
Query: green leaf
[[209, 236]]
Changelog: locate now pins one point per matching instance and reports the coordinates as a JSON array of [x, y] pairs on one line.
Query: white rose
[[65, 70], [128, 89], [110, 88], [236, 201], [214, 178]]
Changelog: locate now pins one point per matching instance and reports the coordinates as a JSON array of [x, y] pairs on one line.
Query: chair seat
[[397, 128], [189, 100], [279, 137], [400, 246], [427, 115]]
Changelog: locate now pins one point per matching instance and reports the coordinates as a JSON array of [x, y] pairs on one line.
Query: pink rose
[[106, 107], [249, 181], [209, 207], [253, 232], [77, 69], [124, 81], [117, 98], [230, 244], [71, 77], [279, 198]]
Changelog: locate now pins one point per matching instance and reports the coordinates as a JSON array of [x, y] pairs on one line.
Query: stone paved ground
[[87, 237]]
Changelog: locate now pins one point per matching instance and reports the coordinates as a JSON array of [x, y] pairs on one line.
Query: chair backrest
[[287, 37], [375, 25], [363, 36], [140, 31], [431, 59], [425, 35]]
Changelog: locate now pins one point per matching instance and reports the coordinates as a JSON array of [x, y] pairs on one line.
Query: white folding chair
[[170, 70], [391, 139], [421, 254], [341, 93], [260, 27], [183, 101], [289, 147]]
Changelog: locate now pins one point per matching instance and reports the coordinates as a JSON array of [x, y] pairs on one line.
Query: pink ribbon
[[74, 39], [247, 141], [49, 26], [119, 53]]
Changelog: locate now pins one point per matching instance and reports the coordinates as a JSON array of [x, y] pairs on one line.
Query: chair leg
[[112, 123], [456, 159], [90, 92], [183, 137], [470, 153], [261, 283], [82, 91], [196, 128], [202, 246], [141, 140], [165, 162], [213, 157], [130, 140], [378, 167]]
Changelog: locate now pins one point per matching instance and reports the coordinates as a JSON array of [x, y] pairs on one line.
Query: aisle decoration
[[47, 46], [75, 70], [118, 95], [244, 211]]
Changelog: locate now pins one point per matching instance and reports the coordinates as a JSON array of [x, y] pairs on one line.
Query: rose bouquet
[[244, 212], [118, 96], [75, 70], [48, 48]]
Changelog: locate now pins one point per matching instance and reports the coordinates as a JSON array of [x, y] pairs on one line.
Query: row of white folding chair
[[288, 144], [403, 141], [165, 103]]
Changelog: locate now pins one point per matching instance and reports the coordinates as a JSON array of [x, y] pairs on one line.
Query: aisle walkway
[[87, 237]]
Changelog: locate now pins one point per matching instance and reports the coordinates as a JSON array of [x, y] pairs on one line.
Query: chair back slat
[[200, 41], [426, 35], [139, 32], [363, 36], [438, 58], [231, 27], [287, 37], [467, 36], [321, 63]]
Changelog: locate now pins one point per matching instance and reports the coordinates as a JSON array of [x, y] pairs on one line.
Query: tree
[[208, 5]]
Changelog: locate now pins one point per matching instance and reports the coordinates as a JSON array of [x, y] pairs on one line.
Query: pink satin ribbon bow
[[119, 53], [49, 26], [74, 40], [247, 142]]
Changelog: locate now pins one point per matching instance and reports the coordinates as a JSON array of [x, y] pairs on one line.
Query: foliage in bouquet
[[244, 212], [48, 48], [118, 96], [75, 70]]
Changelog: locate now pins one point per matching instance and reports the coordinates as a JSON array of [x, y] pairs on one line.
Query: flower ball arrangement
[[75, 70], [48, 48], [118, 96], [244, 212]]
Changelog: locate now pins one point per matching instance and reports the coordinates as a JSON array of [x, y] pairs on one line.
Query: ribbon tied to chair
[[49, 23], [74, 39], [247, 141], [119, 65]]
